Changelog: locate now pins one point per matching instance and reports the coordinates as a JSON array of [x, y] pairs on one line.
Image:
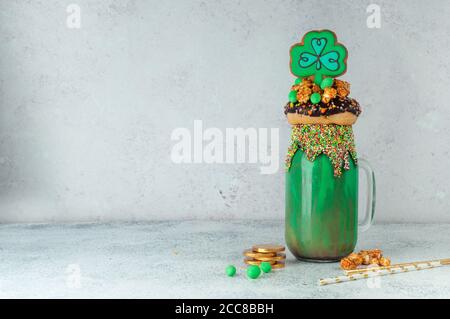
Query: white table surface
[[186, 259]]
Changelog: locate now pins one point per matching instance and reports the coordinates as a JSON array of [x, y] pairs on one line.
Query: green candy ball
[[298, 81], [266, 267], [230, 270], [326, 83], [293, 96], [315, 98], [253, 271]]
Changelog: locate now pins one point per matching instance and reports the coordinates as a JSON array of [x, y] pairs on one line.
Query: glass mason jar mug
[[322, 209]]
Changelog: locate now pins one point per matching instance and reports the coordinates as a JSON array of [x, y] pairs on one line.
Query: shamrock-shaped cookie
[[319, 54]]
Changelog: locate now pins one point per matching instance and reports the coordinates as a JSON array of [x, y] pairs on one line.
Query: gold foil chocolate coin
[[278, 265], [251, 261], [268, 248], [252, 254], [277, 257]]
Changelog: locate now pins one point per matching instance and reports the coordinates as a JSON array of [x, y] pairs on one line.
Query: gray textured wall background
[[86, 114]]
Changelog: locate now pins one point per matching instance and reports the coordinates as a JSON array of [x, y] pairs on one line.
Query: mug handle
[[371, 192]]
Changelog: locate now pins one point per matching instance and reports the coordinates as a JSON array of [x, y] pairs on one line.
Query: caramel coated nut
[[347, 264], [375, 261], [356, 259], [372, 257], [366, 259], [384, 261]]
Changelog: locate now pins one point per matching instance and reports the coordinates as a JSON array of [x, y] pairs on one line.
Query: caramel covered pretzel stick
[[395, 269]]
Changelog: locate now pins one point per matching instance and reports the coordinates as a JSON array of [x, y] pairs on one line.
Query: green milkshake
[[322, 165]]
